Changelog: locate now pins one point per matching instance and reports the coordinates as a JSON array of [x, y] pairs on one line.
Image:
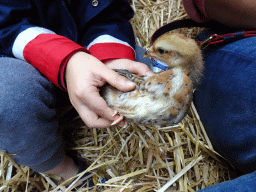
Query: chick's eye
[[161, 51]]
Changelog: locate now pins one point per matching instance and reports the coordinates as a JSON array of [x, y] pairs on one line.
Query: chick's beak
[[148, 53]]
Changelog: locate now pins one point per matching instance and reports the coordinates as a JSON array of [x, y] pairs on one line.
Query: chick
[[164, 98]]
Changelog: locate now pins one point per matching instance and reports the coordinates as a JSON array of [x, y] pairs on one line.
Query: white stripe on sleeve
[[25, 37], [107, 39]]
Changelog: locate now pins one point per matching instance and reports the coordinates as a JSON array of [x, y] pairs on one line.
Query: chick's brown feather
[[164, 98]]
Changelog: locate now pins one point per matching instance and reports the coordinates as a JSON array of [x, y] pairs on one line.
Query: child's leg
[[246, 183], [226, 103], [28, 127]]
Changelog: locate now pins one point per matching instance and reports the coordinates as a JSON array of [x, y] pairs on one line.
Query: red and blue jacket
[[46, 33]]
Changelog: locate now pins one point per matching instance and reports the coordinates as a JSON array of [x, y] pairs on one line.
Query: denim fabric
[[28, 125], [246, 183], [226, 103]]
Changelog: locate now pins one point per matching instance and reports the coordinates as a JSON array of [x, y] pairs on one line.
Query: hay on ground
[[135, 158]]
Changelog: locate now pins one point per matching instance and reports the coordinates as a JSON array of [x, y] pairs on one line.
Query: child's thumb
[[119, 81]]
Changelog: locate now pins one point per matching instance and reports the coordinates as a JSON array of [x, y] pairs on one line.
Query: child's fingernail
[[129, 83]]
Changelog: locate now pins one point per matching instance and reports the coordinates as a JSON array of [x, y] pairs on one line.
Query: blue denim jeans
[[246, 183], [28, 124], [226, 103]]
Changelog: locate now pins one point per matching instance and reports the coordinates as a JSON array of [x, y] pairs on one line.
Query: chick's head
[[175, 50]]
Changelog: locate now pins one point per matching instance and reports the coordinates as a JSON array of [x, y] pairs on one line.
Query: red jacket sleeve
[[109, 51], [107, 47], [49, 53]]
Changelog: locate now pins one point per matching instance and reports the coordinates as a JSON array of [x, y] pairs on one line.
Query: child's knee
[[28, 127]]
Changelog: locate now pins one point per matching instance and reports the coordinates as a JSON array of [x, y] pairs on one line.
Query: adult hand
[[84, 76]]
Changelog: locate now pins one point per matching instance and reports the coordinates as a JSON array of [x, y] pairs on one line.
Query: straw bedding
[[135, 158]]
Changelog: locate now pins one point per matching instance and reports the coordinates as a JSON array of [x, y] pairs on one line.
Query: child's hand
[[84, 75]]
